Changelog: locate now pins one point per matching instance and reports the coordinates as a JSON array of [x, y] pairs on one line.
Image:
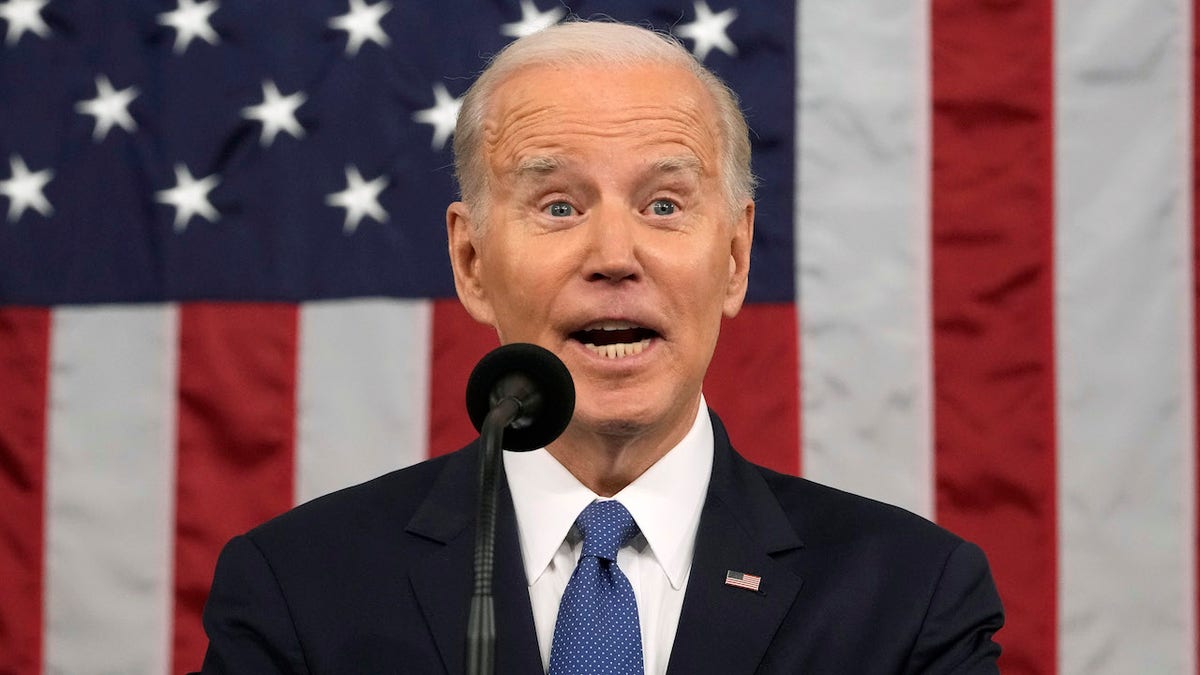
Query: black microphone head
[[535, 376]]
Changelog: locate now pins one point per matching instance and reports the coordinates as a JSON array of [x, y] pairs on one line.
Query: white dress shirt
[[665, 501]]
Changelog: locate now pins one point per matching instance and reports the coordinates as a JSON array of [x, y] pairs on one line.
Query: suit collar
[[442, 581], [449, 507], [741, 486], [742, 529]]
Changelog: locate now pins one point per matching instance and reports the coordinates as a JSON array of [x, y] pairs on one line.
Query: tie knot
[[605, 526]]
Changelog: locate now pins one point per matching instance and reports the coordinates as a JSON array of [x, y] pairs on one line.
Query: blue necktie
[[598, 630]]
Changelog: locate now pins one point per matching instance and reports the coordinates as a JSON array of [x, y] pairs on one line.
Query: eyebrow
[[539, 165], [543, 164], [678, 164]]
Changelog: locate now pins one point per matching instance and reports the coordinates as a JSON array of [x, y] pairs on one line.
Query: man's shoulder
[[880, 581], [826, 515], [829, 519], [384, 504]]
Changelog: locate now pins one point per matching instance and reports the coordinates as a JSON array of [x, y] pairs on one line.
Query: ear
[[739, 260], [463, 235]]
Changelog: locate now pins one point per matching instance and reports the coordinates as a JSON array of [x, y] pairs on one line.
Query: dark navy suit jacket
[[377, 579]]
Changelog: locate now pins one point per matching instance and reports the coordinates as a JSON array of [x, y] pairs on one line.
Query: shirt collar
[[665, 501]]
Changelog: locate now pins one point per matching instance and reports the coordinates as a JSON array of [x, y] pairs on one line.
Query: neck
[[605, 462]]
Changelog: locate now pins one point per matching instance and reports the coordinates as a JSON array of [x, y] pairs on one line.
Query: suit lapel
[[516, 638], [724, 628], [442, 581]]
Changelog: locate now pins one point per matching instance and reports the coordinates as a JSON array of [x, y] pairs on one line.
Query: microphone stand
[[527, 390], [481, 627]]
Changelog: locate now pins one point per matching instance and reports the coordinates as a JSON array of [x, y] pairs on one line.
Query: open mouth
[[615, 339]]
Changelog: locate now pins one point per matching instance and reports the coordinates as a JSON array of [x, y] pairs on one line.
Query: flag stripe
[[862, 251], [458, 344], [109, 501], [992, 257], [1193, 100], [363, 391], [753, 382], [24, 364], [236, 420], [1124, 364]]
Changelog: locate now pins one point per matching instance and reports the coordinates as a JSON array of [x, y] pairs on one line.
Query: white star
[[189, 197], [361, 23], [442, 115], [276, 112], [22, 16], [532, 20], [708, 30], [109, 107], [360, 198], [24, 190], [190, 21]]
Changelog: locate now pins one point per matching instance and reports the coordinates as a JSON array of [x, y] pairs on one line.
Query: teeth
[[620, 349], [611, 325]]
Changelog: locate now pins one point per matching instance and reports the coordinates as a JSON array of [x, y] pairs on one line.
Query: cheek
[[703, 276], [523, 282], [704, 287]]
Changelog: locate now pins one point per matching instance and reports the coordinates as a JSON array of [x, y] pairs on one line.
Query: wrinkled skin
[[605, 208]]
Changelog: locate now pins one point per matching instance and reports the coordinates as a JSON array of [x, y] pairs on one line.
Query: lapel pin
[[742, 580]]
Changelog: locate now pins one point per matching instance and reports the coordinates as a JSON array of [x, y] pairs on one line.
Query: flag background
[[973, 294]]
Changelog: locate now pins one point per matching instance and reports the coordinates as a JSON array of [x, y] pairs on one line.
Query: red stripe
[[754, 385], [458, 344], [993, 339], [24, 365], [237, 390]]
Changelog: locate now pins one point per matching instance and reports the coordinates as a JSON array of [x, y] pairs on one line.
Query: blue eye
[[663, 207], [560, 210]]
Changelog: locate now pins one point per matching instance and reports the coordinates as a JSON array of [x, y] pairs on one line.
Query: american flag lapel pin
[[742, 580]]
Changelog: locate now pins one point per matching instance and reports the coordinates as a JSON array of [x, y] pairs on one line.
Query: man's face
[[606, 238]]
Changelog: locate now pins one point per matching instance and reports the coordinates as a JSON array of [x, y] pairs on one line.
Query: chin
[[619, 428], [614, 413], [609, 421]]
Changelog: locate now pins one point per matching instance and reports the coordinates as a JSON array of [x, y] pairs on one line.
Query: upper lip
[[612, 323]]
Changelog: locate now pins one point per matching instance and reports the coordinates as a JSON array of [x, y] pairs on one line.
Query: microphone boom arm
[[481, 627], [528, 391]]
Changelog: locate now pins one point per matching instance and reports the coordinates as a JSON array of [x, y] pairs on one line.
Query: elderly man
[[606, 215]]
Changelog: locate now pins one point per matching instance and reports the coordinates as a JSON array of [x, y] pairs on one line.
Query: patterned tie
[[597, 630]]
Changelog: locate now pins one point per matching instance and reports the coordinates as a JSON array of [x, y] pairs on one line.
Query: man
[[606, 215]]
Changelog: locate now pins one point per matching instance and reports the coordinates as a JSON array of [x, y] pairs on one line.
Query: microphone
[[526, 391], [538, 384]]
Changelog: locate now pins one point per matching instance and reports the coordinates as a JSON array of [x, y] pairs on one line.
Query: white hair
[[598, 43]]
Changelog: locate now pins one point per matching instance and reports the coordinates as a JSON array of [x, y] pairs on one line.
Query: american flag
[[224, 289], [742, 580]]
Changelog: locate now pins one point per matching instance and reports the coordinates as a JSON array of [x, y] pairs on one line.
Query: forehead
[[575, 111]]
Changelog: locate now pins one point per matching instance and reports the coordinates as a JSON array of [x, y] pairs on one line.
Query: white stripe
[[1124, 368], [110, 472], [363, 404], [862, 248]]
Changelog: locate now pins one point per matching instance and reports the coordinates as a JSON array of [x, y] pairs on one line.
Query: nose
[[612, 253]]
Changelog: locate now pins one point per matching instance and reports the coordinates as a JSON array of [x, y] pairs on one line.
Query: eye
[[663, 207], [560, 210]]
